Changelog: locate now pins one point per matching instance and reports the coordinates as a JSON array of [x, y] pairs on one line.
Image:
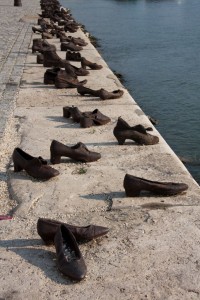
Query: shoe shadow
[[20, 175], [3, 176], [41, 258], [70, 161], [93, 99], [104, 196], [113, 143], [119, 195], [67, 123], [69, 95], [56, 119], [36, 85]]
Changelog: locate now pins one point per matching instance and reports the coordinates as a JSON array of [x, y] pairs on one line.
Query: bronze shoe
[[105, 95], [71, 28], [74, 56], [93, 118], [138, 134], [40, 58], [83, 90], [86, 63], [77, 152], [17, 3], [70, 46], [35, 167], [41, 45], [64, 80], [52, 59], [47, 35], [78, 41], [47, 228], [102, 93], [86, 119], [75, 71], [69, 258], [134, 185], [50, 75], [72, 111], [35, 29]]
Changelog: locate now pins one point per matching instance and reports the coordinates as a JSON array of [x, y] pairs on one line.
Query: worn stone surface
[[152, 249]]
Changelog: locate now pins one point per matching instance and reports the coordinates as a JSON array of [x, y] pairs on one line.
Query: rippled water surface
[[155, 45]]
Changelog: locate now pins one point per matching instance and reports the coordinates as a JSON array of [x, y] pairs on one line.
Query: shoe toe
[[100, 230]]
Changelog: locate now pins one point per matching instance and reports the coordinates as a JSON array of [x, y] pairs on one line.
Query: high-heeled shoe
[[134, 185], [34, 166], [73, 112], [138, 133], [77, 152]]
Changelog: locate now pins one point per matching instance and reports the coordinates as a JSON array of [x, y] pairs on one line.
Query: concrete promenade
[[152, 250]]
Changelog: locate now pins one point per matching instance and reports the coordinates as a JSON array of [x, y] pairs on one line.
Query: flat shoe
[[134, 185], [47, 228], [69, 258]]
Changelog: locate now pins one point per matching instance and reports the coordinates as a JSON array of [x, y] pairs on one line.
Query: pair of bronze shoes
[[65, 237], [101, 93], [78, 152], [138, 133], [135, 185], [86, 119]]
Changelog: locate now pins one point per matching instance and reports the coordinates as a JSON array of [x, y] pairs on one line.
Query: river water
[[155, 45]]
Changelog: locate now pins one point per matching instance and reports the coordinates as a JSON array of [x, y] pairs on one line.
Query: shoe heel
[[121, 141], [47, 242], [66, 112], [17, 168], [55, 159]]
